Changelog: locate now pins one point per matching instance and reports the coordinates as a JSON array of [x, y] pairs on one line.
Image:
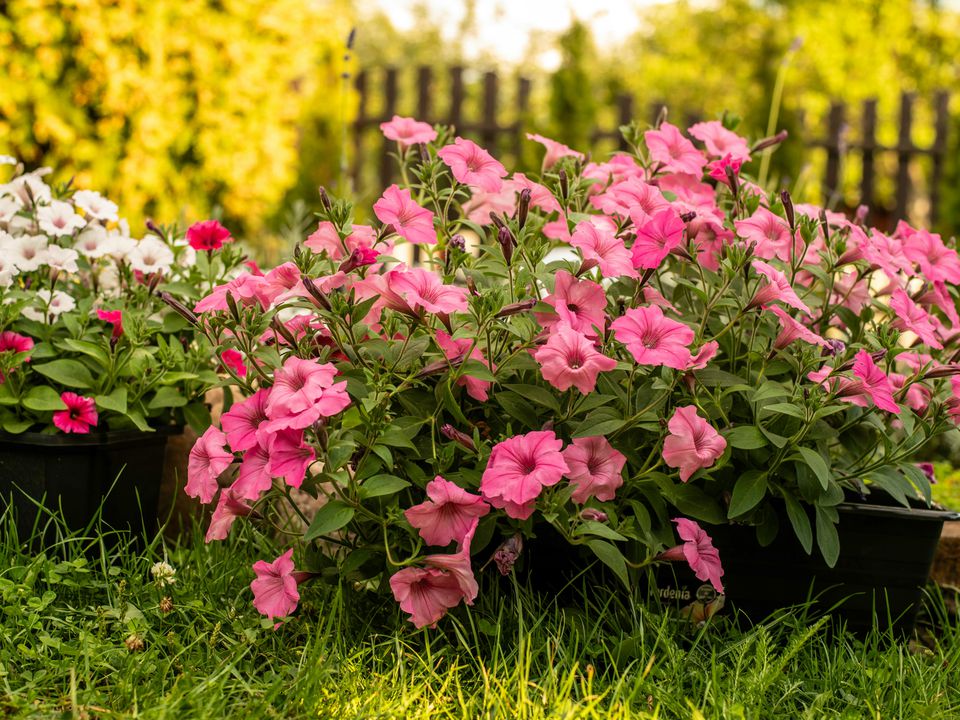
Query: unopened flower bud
[[180, 308], [523, 206], [860, 218], [593, 515], [360, 257], [497, 220], [564, 184], [688, 216], [788, 208], [152, 227], [733, 180], [451, 433], [315, 293], [424, 153], [769, 142], [834, 347], [472, 287], [458, 242], [324, 198], [134, 643], [505, 238], [232, 304], [507, 554]]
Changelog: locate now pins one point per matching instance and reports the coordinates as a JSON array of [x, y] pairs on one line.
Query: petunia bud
[[315, 293], [451, 433], [458, 242], [181, 309], [788, 208], [508, 553], [505, 238], [564, 184], [860, 218], [232, 304], [472, 287], [516, 308], [688, 216], [152, 227], [282, 330], [497, 220], [324, 198], [593, 515], [424, 153], [732, 180], [769, 142], [523, 206], [360, 257]]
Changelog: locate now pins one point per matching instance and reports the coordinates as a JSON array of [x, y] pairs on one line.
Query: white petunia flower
[[163, 573], [28, 185], [108, 280], [47, 305], [93, 242], [27, 252], [9, 206], [59, 258], [96, 206], [58, 218], [151, 255], [119, 247], [7, 269]]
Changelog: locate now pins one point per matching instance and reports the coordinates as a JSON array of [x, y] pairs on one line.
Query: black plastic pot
[[885, 558], [76, 474]]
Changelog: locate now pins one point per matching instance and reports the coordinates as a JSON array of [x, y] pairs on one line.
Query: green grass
[[66, 614]]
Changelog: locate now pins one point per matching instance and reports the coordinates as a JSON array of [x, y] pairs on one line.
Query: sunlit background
[[240, 109]]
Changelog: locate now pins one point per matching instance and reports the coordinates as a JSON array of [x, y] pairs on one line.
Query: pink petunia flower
[[242, 420], [596, 468], [114, 318], [698, 552], [289, 456], [706, 353], [876, 384], [669, 148], [481, 204], [791, 330], [302, 392], [458, 564], [603, 246], [770, 235], [233, 359], [207, 460], [569, 358], [540, 195], [448, 514], [14, 343], [425, 593], [455, 351], [472, 165], [581, 304], [520, 467], [555, 150], [397, 207], [937, 262], [275, 587], [776, 288], [208, 235], [422, 288], [406, 131], [718, 168], [656, 238], [631, 197], [230, 506], [693, 443], [245, 289], [907, 315], [80, 415], [254, 478], [653, 339], [720, 141]]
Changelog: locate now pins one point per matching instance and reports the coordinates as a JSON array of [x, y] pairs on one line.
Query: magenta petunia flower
[[230, 506], [718, 168], [693, 443], [569, 358], [670, 149], [706, 353], [233, 359], [406, 131], [720, 141], [208, 235], [875, 382], [448, 514], [555, 150], [207, 460], [455, 351], [303, 391], [397, 207], [698, 551], [14, 343], [472, 165], [254, 478], [907, 315], [289, 456], [581, 304], [656, 238], [653, 339], [596, 468], [80, 415], [275, 587], [770, 235], [520, 467], [602, 245], [424, 289], [791, 330], [244, 418], [776, 288], [114, 318]]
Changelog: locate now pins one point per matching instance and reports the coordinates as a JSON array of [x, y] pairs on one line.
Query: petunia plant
[[620, 350], [87, 343]]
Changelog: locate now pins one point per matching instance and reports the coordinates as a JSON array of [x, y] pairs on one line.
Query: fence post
[[868, 152], [424, 80], [389, 107], [905, 150], [456, 97], [831, 189], [624, 117], [488, 128], [358, 127], [939, 151], [523, 102]]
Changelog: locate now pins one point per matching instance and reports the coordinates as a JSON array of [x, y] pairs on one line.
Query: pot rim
[[899, 511], [108, 437]]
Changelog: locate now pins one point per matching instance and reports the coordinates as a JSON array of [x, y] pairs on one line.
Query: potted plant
[[626, 356], [96, 371]]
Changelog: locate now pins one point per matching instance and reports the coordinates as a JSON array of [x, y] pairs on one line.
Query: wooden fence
[[836, 138]]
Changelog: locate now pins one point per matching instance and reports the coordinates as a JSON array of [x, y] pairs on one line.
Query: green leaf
[[167, 397], [137, 418], [784, 409], [6, 395], [115, 401], [600, 530], [827, 538], [43, 398], [800, 521], [197, 415], [380, 485], [816, 462], [517, 407], [591, 428], [87, 348], [338, 453], [331, 517], [750, 489], [768, 391], [611, 557], [537, 394], [894, 483], [15, 426], [745, 437], [478, 370], [71, 373]]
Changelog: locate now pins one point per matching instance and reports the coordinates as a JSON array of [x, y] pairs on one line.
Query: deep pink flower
[[876, 384], [595, 468], [581, 304], [791, 329], [720, 141], [669, 148], [115, 318], [631, 197], [939, 296], [207, 460], [302, 392], [14, 343], [406, 131], [472, 165], [520, 467], [245, 289], [907, 315], [653, 339], [80, 415], [706, 353], [254, 477], [718, 168], [289, 456], [241, 421], [410, 221], [770, 234], [230, 506], [425, 593], [692, 444], [455, 351], [555, 150], [208, 235], [698, 551], [656, 238], [603, 246], [326, 239], [275, 587], [569, 358], [233, 359], [776, 288], [422, 288], [449, 513]]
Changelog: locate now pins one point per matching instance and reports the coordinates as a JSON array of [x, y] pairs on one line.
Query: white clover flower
[[28, 185], [59, 258], [27, 252], [9, 206], [47, 305], [93, 242], [58, 218], [96, 206], [151, 255], [163, 573]]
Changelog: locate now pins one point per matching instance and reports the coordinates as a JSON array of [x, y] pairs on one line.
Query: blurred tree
[[573, 108]]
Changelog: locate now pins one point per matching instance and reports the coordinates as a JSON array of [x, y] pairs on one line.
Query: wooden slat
[[456, 97], [942, 105], [868, 144], [905, 150], [831, 180], [424, 85], [389, 107], [358, 156], [489, 127], [524, 88], [624, 117]]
